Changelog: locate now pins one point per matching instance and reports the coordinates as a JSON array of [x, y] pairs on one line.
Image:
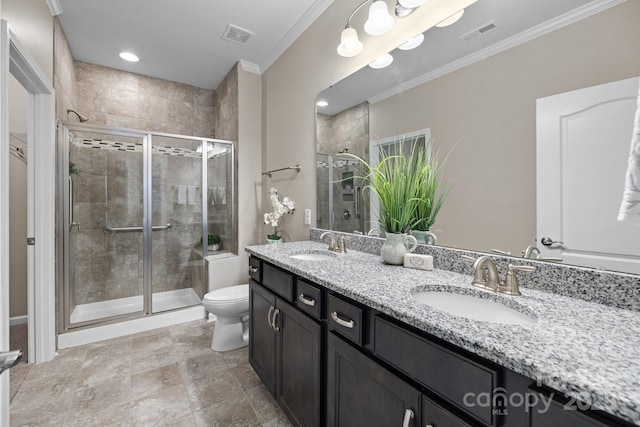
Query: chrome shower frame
[[64, 216]]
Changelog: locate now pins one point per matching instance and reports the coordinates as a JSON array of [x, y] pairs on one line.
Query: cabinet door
[[298, 360], [362, 393], [262, 337]]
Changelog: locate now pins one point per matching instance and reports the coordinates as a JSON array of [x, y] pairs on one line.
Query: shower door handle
[[70, 203], [9, 359], [357, 201]]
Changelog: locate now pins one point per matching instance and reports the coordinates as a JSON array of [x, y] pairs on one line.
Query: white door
[[16, 60], [583, 140]]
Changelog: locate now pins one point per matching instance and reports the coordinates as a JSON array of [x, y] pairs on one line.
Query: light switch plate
[[307, 216]]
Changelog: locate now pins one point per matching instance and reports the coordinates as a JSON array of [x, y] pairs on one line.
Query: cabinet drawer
[[254, 269], [345, 318], [447, 374], [309, 299], [548, 411], [278, 281], [435, 415]]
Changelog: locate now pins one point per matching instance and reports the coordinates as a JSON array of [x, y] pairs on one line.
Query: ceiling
[[182, 40], [443, 49]]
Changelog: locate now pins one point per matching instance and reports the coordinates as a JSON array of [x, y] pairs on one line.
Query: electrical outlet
[[307, 216]]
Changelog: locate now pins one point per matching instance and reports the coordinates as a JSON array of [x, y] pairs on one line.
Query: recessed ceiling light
[[412, 43], [322, 103], [128, 56], [383, 61]]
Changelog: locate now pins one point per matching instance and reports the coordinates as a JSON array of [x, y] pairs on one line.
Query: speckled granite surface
[[603, 287], [586, 350]]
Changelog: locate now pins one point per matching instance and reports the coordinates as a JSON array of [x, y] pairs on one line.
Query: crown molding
[[523, 37], [54, 7], [292, 35], [250, 67]]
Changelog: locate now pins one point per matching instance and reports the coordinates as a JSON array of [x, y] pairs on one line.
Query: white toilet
[[231, 307]]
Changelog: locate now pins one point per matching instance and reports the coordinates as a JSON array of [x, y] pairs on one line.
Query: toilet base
[[229, 333]]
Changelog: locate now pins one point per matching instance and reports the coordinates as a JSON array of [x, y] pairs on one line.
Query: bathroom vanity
[[341, 340]]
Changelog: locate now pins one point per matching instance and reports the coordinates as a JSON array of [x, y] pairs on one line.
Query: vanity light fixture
[[379, 21], [128, 56], [451, 20], [412, 43], [382, 61], [322, 103]]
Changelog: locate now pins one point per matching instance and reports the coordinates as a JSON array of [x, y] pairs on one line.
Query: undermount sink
[[474, 307], [314, 256]]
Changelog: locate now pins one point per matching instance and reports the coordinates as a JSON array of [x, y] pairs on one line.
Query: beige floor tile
[[205, 365], [162, 408], [246, 376], [166, 377], [106, 395], [232, 412], [154, 380], [206, 391]]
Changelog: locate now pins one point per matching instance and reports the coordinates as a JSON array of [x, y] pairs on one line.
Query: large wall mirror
[[480, 107]]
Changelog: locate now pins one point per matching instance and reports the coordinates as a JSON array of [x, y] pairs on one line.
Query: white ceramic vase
[[396, 246], [274, 241]]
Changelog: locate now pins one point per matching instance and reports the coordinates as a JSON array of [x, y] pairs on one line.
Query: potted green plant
[[431, 194], [395, 181], [214, 242]]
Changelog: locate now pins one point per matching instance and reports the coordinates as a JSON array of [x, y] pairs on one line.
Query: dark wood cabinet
[[262, 337], [285, 350], [362, 393], [298, 361], [329, 360]]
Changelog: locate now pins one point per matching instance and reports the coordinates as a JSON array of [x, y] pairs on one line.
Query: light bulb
[[349, 43], [379, 21]]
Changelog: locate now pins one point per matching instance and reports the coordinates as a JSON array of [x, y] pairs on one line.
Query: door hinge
[[31, 241]]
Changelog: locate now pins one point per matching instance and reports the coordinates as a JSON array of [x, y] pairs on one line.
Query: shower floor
[[161, 301]]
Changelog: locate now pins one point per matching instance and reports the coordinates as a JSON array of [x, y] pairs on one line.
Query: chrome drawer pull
[[253, 269], [346, 323], [408, 416], [307, 301], [269, 321]]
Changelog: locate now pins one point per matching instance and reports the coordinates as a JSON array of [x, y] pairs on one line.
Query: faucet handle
[[511, 286], [467, 258], [341, 247]]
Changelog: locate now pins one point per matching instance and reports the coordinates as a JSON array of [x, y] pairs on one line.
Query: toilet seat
[[230, 294]]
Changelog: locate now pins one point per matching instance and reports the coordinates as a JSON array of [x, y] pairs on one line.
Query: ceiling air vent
[[474, 34], [237, 35]]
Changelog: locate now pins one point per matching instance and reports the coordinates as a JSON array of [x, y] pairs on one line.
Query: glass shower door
[[177, 247], [102, 220]]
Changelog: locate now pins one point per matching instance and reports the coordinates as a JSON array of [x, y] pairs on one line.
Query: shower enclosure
[[340, 204], [135, 212]]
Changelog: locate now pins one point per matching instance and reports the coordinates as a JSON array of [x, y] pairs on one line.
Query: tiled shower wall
[[347, 130], [120, 99], [109, 186]]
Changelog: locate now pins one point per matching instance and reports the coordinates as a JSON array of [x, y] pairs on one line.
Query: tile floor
[[164, 377], [18, 341]]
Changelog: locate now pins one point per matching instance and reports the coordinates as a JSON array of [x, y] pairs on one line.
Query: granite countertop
[[586, 350]]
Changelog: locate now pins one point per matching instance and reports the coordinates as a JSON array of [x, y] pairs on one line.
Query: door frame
[[16, 60]]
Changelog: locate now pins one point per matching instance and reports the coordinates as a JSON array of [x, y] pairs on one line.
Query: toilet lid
[[231, 293]]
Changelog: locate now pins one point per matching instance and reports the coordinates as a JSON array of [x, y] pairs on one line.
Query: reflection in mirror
[[485, 105]]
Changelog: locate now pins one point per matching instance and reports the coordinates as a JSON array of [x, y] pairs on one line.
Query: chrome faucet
[[333, 242], [336, 243], [532, 252], [491, 280]]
